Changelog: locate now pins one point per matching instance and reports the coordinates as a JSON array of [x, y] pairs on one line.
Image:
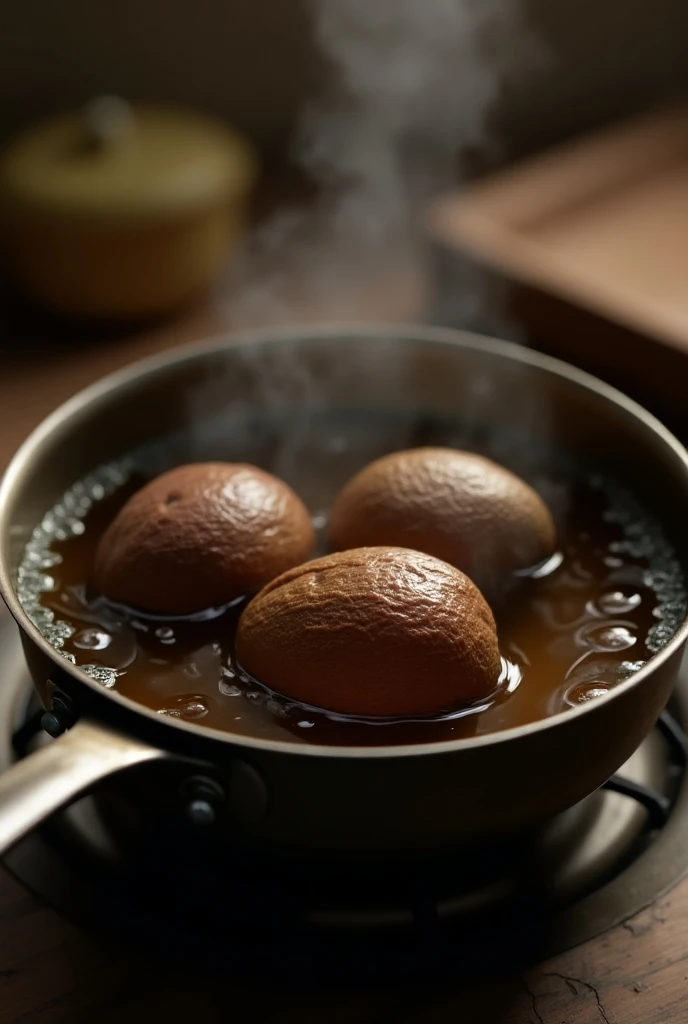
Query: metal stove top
[[586, 871]]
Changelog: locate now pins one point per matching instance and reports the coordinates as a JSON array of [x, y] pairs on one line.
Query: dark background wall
[[253, 61]]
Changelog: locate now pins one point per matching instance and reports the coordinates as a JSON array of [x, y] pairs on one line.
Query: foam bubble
[[628, 668], [64, 520], [189, 707], [107, 677], [616, 602], [584, 693], [644, 539], [608, 636]]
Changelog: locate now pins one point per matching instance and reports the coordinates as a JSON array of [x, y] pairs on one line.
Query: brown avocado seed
[[200, 536], [460, 507], [377, 631]]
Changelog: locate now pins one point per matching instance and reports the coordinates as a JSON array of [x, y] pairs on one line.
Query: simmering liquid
[[568, 630]]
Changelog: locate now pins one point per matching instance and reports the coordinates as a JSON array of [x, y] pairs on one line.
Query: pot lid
[[112, 160]]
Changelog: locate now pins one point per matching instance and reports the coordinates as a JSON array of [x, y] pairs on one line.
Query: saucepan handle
[[52, 776]]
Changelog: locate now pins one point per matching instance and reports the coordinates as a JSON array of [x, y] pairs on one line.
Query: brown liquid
[[567, 633]]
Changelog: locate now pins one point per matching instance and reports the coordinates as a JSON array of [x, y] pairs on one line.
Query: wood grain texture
[[52, 972], [596, 222]]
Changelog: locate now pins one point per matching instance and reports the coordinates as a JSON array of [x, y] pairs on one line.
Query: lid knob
[[107, 121]]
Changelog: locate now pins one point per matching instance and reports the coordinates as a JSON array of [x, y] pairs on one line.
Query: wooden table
[[50, 971]]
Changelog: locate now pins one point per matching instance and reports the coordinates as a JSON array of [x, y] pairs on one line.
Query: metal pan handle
[[52, 776]]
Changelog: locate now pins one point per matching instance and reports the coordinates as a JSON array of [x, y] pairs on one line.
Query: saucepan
[[276, 795]]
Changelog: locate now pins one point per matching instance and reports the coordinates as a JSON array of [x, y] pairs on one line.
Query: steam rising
[[410, 91]]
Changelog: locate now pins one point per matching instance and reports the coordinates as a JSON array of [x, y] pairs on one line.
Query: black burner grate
[[658, 805], [347, 919]]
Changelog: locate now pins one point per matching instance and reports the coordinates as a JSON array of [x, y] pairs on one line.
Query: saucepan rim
[[140, 370]]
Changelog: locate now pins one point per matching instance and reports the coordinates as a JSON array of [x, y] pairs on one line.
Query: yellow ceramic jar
[[121, 212]]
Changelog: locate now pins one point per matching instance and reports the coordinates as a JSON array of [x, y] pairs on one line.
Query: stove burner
[[589, 869]]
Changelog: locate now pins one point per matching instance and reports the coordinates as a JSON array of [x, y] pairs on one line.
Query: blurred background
[[257, 63], [337, 159]]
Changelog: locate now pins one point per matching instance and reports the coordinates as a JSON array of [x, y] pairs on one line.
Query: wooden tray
[[601, 223]]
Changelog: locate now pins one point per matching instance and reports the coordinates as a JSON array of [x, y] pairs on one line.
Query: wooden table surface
[[50, 971]]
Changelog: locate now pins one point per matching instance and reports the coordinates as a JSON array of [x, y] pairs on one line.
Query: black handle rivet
[[200, 812], [52, 724]]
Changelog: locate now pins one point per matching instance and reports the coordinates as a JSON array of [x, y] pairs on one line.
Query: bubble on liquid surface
[[42, 561], [92, 640], [590, 668], [583, 693], [188, 706], [611, 636], [644, 539], [628, 669], [57, 632], [616, 602], [107, 677], [61, 522], [228, 689]]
